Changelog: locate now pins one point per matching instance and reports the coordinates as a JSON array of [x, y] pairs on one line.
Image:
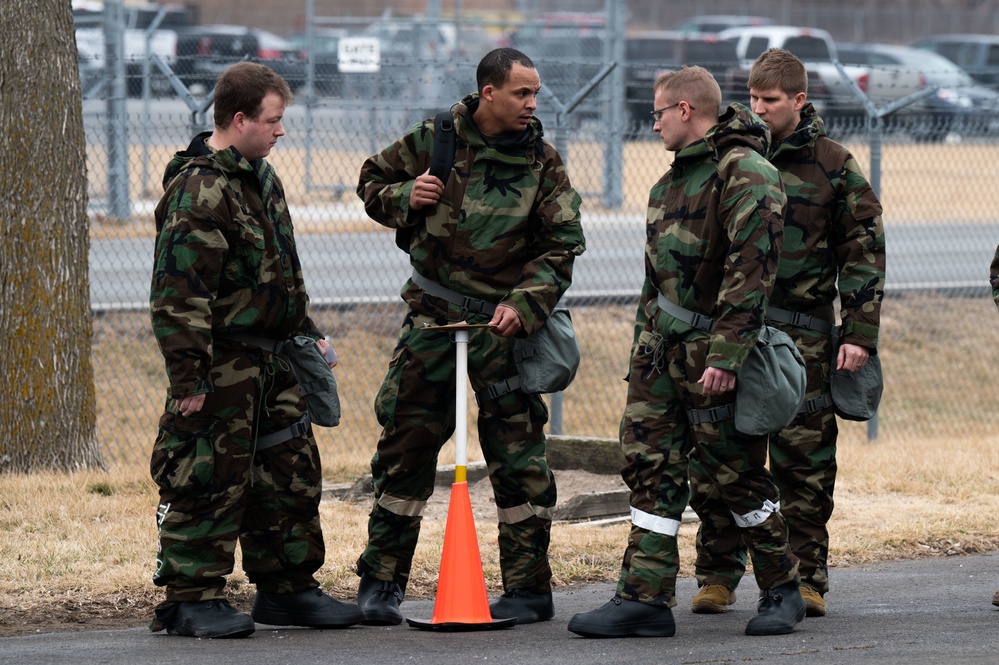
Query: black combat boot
[[524, 606], [310, 608], [213, 619], [625, 618], [379, 601], [780, 609]]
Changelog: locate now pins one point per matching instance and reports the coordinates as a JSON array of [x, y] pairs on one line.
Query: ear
[[799, 101], [487, 92], [239, 120]]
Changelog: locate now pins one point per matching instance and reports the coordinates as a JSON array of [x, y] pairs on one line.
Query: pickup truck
[[90, 39], [828, 90]]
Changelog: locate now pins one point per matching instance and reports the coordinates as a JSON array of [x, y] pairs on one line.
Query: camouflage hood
[[809, 130], [738, 126], [229, 162], [527, 145]]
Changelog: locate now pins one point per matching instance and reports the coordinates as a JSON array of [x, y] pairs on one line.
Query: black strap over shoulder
[[444, 136], [441, 163]]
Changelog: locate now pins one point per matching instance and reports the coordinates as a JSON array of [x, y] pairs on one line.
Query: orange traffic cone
[[461, 603]]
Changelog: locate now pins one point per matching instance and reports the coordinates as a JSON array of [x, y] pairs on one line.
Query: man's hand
[[506, 321], [426, 191], [328, 352], [716, 381], [190, 405], [851, 357]]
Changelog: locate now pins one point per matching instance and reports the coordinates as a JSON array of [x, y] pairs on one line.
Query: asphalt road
[[921, 612], [341, 267]]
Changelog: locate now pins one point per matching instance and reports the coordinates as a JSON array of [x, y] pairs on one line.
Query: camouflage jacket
[[832, 234], [714, 235], [225, 261], [994, 277], [507, 229]]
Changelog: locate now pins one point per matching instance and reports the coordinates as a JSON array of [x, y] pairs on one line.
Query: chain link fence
[[934, 173]]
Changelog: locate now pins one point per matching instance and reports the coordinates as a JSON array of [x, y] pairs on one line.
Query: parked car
[[651, 52], [204, 52], [828, 90], [959, 104], [977, 55], [892, 73], [719, 22]]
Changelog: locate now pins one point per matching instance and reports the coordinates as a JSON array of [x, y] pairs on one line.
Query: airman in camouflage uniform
[[833, 237], [713, 238], [226, 266], [505, 230]]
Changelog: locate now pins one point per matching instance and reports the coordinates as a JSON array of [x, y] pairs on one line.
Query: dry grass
[[82, 545]]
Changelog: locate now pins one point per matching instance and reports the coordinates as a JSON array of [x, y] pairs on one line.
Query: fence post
[[875, 125], [117, 127], [613, 139]]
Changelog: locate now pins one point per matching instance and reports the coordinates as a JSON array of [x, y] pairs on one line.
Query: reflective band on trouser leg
[[404, 507], [664, 525], [523, 512], [758, 516]]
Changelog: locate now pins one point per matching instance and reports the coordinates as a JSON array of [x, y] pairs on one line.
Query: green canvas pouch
[[316, 380], [770, 387], [547, 360]]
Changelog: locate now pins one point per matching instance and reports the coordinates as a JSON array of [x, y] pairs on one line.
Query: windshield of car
[[809, 48]]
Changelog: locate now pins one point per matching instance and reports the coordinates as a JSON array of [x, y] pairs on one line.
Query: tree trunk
[[47, 398]]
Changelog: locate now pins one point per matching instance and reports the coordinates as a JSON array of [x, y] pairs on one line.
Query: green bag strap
[[497, 389], [691, 318], [297, 429], [712, 415], [800, 320], [467, 303]]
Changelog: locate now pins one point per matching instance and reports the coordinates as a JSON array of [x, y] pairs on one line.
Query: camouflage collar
[[810, 129]]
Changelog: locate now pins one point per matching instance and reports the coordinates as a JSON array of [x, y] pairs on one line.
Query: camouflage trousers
[[215, 491], [803, 464], [658, 440], [416, 408]]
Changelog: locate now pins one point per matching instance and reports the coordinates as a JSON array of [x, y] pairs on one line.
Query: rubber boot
[[625, 618], [524, 606], [780, 610], [310, 608], [213, 619], [379, 601]]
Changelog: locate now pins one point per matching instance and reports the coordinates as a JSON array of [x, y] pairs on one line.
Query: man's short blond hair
[[694, 85], [781, 69]]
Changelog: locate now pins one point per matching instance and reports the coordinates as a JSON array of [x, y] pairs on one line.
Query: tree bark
[[47, 397]]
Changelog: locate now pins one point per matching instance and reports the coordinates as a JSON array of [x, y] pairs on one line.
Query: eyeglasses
[[657, 115]]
